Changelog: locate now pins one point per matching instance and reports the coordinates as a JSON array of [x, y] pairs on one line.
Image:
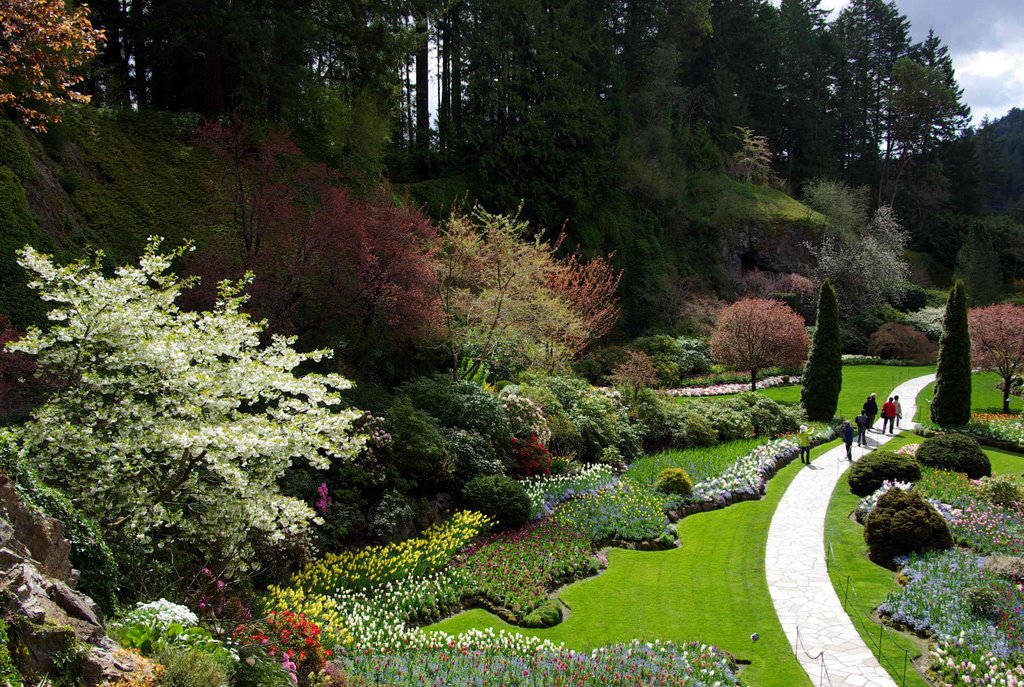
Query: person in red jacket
[[889, 416]]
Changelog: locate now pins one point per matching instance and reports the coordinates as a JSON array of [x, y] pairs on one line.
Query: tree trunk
[[753, 380], [422, 79], [1006, 394]]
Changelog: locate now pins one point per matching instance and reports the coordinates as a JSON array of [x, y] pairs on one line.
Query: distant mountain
[[1001, 146]]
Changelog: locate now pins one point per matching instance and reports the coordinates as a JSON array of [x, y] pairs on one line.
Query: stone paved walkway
[[797, 573]]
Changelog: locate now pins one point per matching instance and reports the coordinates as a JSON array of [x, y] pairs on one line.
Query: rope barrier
[[820, 657]]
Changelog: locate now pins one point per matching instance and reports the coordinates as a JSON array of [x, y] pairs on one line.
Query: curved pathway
[[807, 605]]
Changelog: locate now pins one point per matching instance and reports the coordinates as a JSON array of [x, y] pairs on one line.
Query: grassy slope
[[732, 203], [711, 589], [985, 398]]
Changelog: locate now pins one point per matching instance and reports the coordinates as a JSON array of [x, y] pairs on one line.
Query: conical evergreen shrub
[[823, 376], [951, 404]]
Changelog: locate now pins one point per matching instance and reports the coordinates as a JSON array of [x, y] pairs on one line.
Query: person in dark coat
[[871, 409], [862, 428], [848, 439]]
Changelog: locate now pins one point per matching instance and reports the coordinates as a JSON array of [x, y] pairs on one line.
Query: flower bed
[[511, 572], [988, 529], [994, 429], [546, 492], [623, 511], [486, 665], [732, 387], [957, 663], [750, 472], [376, 565]]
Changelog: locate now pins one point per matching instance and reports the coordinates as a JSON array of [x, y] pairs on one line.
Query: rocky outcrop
[[770, 249], [49, 618]]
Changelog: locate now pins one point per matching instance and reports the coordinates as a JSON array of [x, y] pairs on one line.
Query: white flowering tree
[[174, 424]]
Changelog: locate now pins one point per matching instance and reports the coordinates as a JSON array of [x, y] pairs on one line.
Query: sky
[[986, 41]]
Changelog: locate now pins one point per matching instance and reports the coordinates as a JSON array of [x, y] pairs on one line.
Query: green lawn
[[711, 589], [985, 397], [869, 584], [858, 382]]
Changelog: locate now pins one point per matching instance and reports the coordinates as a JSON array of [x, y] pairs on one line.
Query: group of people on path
[[892, 414]]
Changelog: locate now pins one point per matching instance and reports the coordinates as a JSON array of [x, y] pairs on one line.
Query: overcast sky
[[986, 40]]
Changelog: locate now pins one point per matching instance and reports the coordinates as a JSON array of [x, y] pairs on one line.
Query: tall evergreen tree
[[951, 404], [823, 376]]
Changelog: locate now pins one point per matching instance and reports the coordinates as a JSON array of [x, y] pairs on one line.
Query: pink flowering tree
[[753, 334], [997, 343]]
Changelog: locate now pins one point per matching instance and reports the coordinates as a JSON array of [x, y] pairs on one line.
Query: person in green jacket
[[804, 440]]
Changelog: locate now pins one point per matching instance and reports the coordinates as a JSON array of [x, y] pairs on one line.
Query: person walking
[[848, 439], [889, 416], [899, 410], [871, 409], [862, 428], [805, 444]]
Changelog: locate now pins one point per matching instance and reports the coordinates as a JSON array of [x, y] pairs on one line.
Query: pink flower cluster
[[732, 388]]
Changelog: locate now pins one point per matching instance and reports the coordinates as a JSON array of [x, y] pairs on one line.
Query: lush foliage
[[43, 45], [500, 498], [951, 404], [823, 376], [898, 341], [868, 473], [903, 522], [956, 452], [174, 422]]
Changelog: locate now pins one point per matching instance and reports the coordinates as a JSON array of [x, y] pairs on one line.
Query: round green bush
[[500, 497], [674, 481], [868, 473], [956, 452], [903, 522]]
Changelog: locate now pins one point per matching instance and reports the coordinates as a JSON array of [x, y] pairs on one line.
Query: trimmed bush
[[868, 473], [548, 614], [951, 404], [499, 497], [894, 341], [674, 481], [903, 522], [823, 376], [956, 452]]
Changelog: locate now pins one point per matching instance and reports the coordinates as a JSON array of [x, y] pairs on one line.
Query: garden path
[[807, 605]]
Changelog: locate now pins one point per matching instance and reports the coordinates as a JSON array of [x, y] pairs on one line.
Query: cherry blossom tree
[[997, 343], [753, 334], [173, 427]]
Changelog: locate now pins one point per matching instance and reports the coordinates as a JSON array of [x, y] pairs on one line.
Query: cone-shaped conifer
[[823, 376], [951, 404]]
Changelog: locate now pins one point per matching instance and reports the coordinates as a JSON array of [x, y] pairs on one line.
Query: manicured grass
[[712, 589], [858, 382], [985, 397]]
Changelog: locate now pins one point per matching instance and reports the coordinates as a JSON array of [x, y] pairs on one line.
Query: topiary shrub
[[1002, 490], [823, 374], [674, 481], [499, 497], [956, 452], [868, 473], [951, 402], [903, 522]]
